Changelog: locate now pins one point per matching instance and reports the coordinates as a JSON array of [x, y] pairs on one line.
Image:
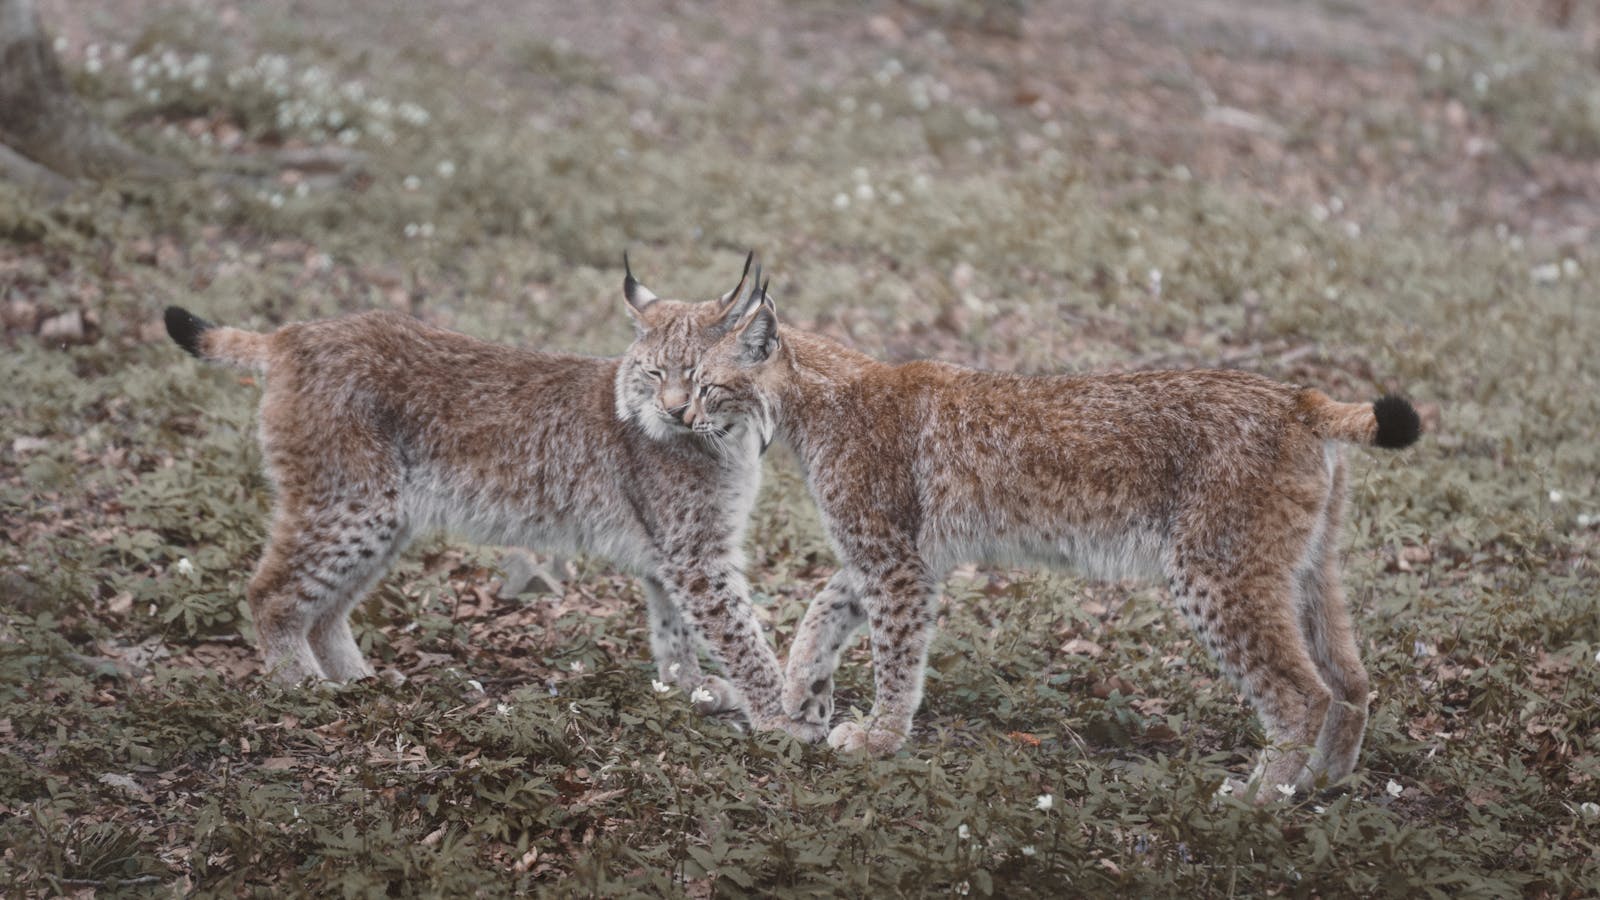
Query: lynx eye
[[706, 389], [656, 374]]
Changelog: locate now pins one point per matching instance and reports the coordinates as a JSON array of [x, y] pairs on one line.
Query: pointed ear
[[739, 307], [638, 296], [728, 300], [758, 338]]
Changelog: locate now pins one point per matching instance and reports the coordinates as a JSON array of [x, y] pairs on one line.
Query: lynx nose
[[678, 412]]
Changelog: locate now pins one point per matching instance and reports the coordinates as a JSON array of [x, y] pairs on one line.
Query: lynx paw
[[854, 737], [714, 695], [809, 732], [811, 702]]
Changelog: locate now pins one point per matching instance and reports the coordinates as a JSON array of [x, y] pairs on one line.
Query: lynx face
[[690, 368]]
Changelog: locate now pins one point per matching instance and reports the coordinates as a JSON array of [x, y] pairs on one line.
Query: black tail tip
[[186, 328], [1399, 426]]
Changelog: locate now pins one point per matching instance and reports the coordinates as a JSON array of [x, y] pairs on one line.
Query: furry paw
[[802, 691], [809, 732], [872, 738], [714, 695], [813, 703]]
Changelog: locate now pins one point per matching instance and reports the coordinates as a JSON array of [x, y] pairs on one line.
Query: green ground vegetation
[[911, 201]]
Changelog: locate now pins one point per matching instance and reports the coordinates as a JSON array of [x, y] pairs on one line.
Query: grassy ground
[[1361, 196]]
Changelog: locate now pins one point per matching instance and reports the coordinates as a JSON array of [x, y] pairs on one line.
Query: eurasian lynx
[[1227, 484], [377, 428]]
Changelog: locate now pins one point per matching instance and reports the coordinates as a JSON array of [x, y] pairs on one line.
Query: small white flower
[[412, 182], [425, 229], [1597, 656], [475, 684], [184, 566], [60, 45], [411, 229], [502, 709], [445, 168], [92, 65], [1286, 790], [573, 708], [1319, 810], [275, 201], [841, 200], [1225, 788], [1480, 82], [963, 832], [1590, 809], [576, 667], [962, 888], [1435, 62], [1557, 496], [1569, 268], [1549, 273], [1393, 788], [674, 669], [864, 192], [349, 136], [1027, 850], [659, 687], [701, 695], [1585, 520], [1043, 802]]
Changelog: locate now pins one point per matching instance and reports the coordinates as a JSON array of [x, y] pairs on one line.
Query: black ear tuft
[[637, 295], [1399, 426], [186, 328]]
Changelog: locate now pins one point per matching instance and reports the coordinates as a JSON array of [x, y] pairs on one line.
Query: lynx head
[[661, 385]]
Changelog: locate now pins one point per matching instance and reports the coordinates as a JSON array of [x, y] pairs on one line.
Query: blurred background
[[1358, 195]]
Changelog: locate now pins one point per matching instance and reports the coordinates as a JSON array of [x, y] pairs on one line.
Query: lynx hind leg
[[677, 657], [1325, 621], [831, 620], [316, 567], [1250, 625], [282, 610], [364, 540]]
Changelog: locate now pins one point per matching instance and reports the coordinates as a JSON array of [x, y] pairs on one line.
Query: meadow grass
[[1073, 737]]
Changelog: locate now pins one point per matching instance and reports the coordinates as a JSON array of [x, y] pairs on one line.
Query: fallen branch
[[33, 177]]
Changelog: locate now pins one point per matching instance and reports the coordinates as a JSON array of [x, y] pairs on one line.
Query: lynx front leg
[[900, 607], [830, 621], [677, 661], [714, 595]]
